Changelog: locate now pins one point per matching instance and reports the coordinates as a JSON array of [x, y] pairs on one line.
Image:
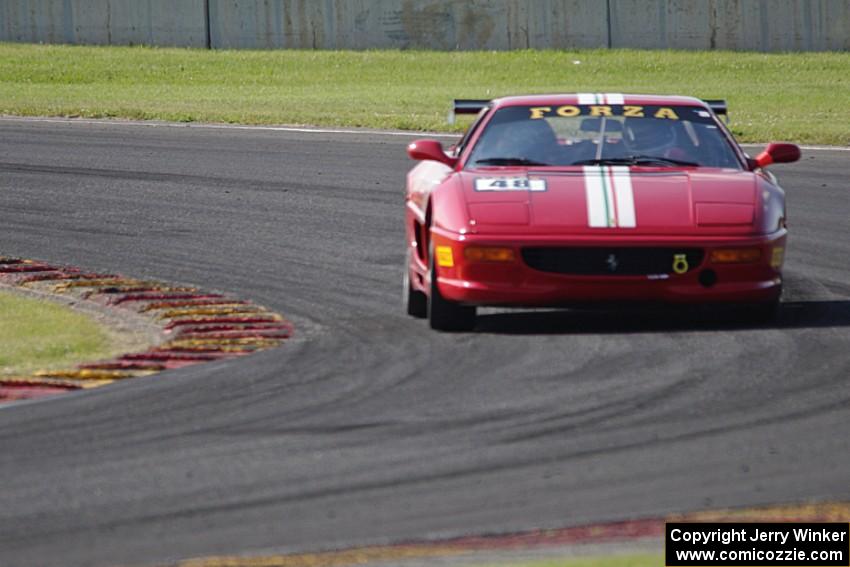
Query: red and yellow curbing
[[199, 326], [345, 558], [613, 532]]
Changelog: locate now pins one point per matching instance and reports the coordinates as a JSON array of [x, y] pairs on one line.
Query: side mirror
[[777, 153], [429, 150]]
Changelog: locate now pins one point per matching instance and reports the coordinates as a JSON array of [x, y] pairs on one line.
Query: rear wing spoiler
[[717, 105], [467, 106], [474, 106]]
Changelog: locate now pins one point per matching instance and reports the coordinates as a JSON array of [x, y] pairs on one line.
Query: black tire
[[415, 301], [445, 315]]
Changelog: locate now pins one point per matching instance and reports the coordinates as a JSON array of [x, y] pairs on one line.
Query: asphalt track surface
[[369, 427]]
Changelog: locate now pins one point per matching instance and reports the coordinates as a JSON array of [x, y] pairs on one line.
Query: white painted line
[[297, 129], [324, 130], [154, 124], [815, 148]]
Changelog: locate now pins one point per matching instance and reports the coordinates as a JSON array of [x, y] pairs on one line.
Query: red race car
[[558, 200]]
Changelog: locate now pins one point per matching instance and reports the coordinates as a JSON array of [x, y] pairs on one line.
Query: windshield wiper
[[507, 161], [640, 159], [636, 160], [605, 161]]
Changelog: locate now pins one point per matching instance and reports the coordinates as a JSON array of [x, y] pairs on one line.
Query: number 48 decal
[[509, 184]]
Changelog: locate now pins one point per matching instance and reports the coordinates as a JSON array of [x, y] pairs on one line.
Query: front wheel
[[446, 315], [415, 301]]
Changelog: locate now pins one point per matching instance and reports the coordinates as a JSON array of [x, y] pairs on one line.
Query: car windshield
[[673, 136]]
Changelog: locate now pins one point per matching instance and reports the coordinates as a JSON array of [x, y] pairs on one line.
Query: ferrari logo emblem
[[680, 263], [612, 262]]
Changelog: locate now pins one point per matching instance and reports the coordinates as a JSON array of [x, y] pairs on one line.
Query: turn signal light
[[445, 258], [488, 254], [735, 255]]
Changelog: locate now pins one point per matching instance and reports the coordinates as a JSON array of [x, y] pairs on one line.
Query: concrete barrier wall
[[119, 22], [766, 25], [759, 25], [430, 24]]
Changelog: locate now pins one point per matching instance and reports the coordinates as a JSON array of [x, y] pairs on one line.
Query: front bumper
[[517, 284]]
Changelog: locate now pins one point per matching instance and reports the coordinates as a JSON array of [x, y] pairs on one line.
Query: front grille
[[616, 261]]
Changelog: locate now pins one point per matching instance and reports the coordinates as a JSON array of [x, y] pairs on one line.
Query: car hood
[[616, 200]]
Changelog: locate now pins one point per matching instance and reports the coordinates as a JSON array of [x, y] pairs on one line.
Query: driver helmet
[[535, 139], [649, 136], [527, 139]]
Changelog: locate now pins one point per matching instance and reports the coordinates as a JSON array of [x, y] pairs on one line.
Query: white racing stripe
[[610, 203], [625, 196], [600, 98], [586, 98], [610, 197], [593, 190]]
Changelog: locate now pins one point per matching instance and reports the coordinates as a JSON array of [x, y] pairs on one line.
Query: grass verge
[[38, 335], [780, 96]]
